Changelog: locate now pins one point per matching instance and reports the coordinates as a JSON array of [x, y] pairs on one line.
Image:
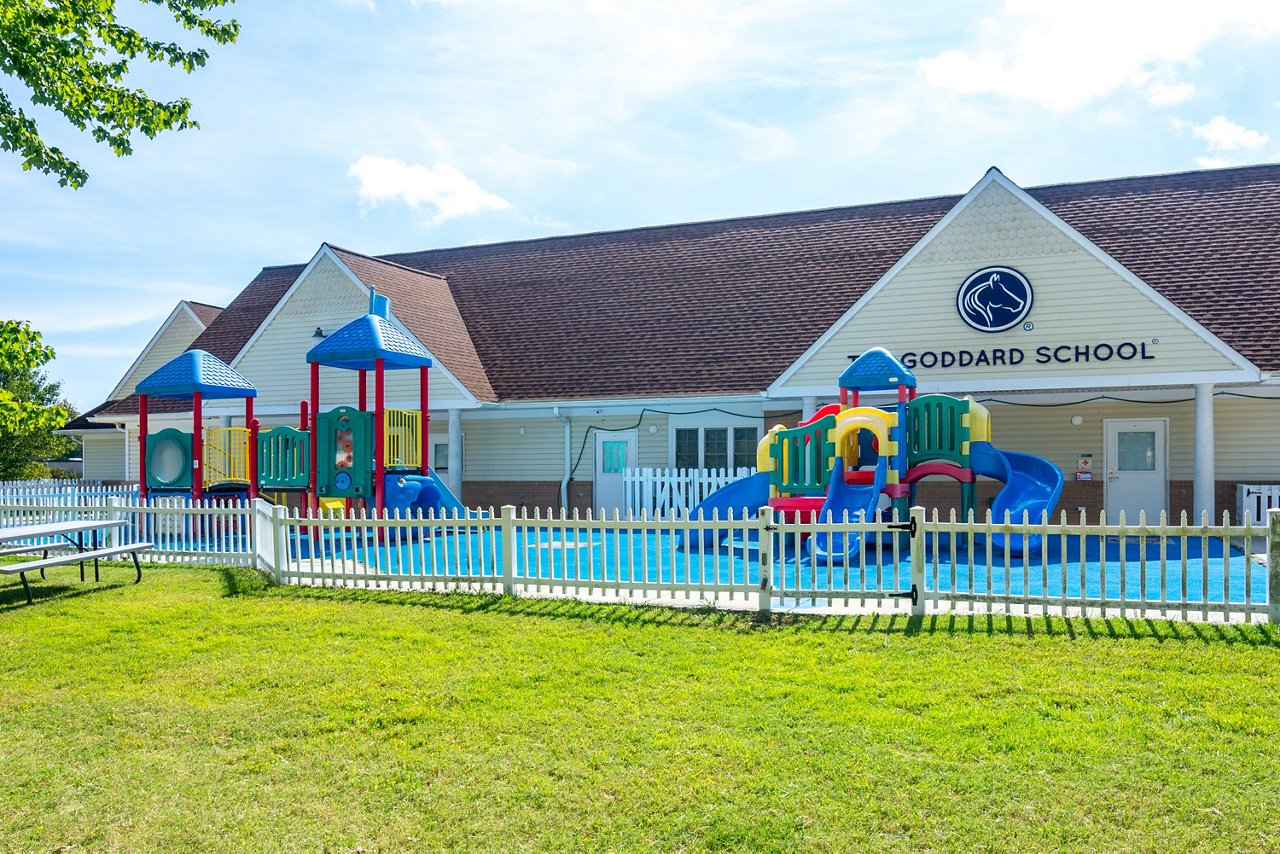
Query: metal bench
[[21, 569]]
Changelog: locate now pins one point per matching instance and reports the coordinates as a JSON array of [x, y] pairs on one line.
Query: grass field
[[204, 710]]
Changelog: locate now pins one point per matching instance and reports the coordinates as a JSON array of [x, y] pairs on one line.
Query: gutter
[[568, 458]]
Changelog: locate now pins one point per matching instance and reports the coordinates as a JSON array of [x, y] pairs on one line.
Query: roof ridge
[[379, 259]]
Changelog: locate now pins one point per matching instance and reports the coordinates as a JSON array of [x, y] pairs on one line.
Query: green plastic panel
[[805, 458], [344, 453], [936, 431], [284, 453], [169, 460]]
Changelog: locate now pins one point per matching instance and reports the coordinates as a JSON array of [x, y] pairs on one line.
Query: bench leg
[[137, 566], [44, 556], [26, 587]]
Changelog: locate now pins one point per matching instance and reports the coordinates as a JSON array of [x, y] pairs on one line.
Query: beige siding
[[495, 450], [1078, 301], [276, 362], [175, 339], [1244, 430], [104, 455]]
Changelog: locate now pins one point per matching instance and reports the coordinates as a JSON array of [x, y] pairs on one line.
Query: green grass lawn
[[204, 710]]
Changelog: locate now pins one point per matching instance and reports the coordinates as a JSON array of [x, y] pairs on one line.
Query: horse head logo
[[994, 299]]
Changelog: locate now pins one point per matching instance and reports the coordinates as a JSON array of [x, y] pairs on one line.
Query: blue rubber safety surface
[[1130, 569]]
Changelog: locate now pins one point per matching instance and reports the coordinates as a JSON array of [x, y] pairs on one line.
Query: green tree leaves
[[73, 56], [30, 405]]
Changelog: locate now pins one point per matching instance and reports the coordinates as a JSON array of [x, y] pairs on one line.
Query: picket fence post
[[508, 550], [765, 520], [115, 536], [917, 561], [1273, 566]]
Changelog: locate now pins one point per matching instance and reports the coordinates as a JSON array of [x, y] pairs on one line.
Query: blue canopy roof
[[876, 370], [358, 344], [196, 371]]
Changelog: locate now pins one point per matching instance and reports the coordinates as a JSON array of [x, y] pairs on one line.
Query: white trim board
[[1248, 372]]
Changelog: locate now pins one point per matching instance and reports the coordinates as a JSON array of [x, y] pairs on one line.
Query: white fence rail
[[673, 492], [924, 565]]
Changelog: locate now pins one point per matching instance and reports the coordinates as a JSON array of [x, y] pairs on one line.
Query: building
[[1125, 329]]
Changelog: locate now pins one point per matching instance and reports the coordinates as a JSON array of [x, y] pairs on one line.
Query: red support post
[[379, 428], [304, 423], [364, 390], [252, 424], [853, 397], [197, 446], [313, 502], [424, 401], [142, 448]]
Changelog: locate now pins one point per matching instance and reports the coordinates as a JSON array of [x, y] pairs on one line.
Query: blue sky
[[397, 125]]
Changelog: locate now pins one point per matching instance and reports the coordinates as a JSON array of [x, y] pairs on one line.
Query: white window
[[721, 441]]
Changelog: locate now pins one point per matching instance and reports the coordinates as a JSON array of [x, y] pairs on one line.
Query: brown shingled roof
[[424, 304], [204, 312], [725, 307]]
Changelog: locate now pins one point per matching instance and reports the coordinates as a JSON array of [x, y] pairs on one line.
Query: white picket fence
[[672, 491], [62, 493], [923, 565], [1256, 499]]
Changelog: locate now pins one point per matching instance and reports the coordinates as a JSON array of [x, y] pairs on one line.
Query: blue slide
[[406, 492], [1032, 485], [738, 500], [858, 501]]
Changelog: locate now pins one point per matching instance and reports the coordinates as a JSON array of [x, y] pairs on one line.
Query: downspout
[[568, 457]]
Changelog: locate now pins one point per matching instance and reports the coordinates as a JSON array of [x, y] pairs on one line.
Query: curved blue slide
[[404, 493], [1032, 485], [854, 501], [737, 500]]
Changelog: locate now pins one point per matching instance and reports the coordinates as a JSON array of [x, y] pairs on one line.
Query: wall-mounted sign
[[1086, 462], [994, 299], [1063, 354]]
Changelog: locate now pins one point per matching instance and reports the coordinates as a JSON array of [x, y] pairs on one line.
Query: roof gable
[[178, 331], [1082, 298]]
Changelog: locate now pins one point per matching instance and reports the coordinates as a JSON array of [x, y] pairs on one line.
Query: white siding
[[276, 362], [1078, 301]]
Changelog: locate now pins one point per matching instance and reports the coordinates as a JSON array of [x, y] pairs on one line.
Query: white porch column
[[455, 452], [1203, 484], [809, 407]]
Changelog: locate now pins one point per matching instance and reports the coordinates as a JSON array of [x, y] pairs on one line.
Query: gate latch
[[904, 526], [913, 594]]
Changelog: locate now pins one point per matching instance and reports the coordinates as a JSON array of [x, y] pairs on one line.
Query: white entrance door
[[1137, 468], [615, 452]]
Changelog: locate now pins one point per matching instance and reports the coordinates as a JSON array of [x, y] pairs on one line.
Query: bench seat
[[21, 569]]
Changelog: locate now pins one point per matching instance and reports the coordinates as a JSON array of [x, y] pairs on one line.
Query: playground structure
[[836, 465], [332, 459]]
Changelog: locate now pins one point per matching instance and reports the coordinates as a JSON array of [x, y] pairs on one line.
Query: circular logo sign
[[994, 299]]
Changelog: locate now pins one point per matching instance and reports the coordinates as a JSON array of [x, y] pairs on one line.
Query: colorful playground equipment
[[333, 458], [203, 460], [838, 463]]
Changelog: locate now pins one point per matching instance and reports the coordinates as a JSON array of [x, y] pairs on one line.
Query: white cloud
[[1065, 55], [1224, 135], [1211, 162], [441, 187]]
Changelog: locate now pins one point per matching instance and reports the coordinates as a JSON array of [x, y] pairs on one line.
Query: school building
[[1124, 329]]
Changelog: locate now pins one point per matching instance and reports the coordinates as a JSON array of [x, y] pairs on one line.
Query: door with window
[[615, 453], [1137, 469]]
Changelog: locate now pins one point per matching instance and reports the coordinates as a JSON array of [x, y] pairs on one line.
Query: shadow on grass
[[1064, 628], [12, 597]]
